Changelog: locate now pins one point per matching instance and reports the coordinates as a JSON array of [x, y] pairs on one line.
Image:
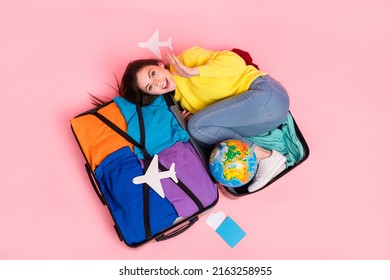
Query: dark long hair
[[128, 87]]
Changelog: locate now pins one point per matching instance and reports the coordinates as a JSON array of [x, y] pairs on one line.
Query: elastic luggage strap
[[145, 188], [162, 167]]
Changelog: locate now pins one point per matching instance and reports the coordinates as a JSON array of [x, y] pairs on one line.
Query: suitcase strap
[[145, 188], [183, 187]]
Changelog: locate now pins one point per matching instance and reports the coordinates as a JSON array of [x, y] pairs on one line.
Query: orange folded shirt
[[95, 138]]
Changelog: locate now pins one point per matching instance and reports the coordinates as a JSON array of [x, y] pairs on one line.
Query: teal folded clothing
[[284, 140], [162, 129]]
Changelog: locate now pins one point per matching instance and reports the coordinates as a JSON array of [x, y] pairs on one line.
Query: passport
[[226, 228]]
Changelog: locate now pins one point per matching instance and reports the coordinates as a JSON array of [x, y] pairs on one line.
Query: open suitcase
[[140, 215]]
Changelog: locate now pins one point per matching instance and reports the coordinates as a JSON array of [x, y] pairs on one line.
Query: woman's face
[[155, 79]]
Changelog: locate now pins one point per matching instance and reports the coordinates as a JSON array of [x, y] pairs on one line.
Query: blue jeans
[[262, 108]]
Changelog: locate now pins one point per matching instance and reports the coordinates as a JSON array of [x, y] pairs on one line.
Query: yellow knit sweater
[[222, 74]]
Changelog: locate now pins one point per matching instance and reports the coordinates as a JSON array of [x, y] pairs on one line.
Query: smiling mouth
[[166, 84]]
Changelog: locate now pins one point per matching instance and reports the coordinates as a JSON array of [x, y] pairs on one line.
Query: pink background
[[332, 56]]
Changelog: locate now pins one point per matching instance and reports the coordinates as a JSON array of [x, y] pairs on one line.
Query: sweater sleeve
[[215, 63]]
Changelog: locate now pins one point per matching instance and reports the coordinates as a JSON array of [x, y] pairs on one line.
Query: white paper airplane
[[152, 177], [154, 45]]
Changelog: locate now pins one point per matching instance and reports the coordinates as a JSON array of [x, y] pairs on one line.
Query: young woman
[[222, 97]]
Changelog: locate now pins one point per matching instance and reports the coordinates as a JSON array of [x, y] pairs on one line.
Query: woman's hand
[[186, 115], [181, 69]]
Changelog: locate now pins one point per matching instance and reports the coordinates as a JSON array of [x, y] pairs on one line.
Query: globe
[[232, 163]]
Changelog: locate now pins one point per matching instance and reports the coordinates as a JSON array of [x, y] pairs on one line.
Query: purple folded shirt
[[191, 170]]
